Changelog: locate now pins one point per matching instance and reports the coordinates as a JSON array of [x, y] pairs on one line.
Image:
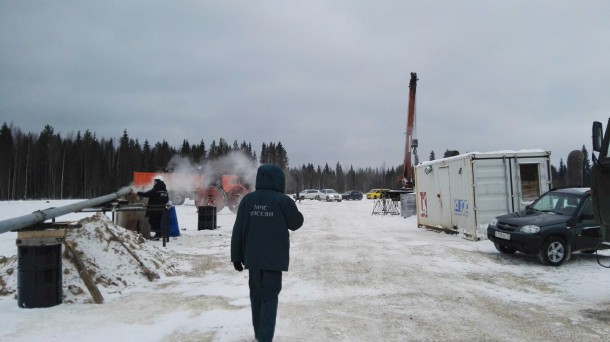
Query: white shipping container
[[464, 193]]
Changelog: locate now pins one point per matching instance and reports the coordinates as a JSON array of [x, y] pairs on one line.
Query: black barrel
[[207, 217], [39, 280]]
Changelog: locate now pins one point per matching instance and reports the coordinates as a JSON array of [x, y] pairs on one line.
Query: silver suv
[[310, 194], [330, 195]]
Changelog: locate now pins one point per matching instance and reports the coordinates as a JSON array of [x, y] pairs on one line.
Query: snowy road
[[353, 277]]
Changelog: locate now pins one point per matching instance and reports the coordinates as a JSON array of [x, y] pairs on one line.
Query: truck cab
[[600, 179]]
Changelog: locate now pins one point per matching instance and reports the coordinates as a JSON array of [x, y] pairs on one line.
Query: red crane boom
[[410, 143]]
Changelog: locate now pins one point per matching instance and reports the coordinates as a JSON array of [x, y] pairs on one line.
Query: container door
[[492, 186], [532, 181], [444, 197]]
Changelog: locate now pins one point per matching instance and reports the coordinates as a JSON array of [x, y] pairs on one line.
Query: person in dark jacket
[[261, 242], [297, 196], [157, 197]]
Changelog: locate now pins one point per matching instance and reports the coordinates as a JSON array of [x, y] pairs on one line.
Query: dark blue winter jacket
[[157, 197], [260, 237]]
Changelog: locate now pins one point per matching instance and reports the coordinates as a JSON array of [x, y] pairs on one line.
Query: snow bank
[[115, 258]]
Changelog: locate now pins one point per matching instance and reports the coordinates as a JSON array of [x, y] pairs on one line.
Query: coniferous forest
[[81, 165]]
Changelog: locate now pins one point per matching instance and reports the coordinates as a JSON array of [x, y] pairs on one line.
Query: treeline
[[363, 179], [81, 165]]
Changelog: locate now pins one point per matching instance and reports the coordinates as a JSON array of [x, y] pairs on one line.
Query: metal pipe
[[40, 216]]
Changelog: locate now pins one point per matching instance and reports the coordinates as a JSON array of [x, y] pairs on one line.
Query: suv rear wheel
[[554, 251]]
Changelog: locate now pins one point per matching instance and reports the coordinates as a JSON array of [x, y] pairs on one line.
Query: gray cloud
[[327, 79]]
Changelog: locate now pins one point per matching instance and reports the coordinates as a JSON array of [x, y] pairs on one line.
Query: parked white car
[[330, 195], [310, 194]]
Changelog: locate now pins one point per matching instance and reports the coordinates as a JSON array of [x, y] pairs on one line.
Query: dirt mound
[[117, 259]]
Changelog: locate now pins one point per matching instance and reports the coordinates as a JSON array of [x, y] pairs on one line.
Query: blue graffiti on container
[[460, 207]]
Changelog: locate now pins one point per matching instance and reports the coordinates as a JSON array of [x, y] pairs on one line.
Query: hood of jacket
[[270, 177], [159, 185]]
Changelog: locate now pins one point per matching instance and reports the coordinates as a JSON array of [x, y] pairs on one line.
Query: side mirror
[[598, 136]]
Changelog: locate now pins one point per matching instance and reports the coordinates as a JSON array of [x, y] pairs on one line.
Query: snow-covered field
[[353, 277]]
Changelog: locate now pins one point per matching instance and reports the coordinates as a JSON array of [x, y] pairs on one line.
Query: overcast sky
[[328, 79]]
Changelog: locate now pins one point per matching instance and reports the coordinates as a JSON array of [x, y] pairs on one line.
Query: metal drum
[[39, 278], [207, 218]]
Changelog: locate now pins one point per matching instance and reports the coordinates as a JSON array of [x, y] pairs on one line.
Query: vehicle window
[[560, 203], [546, 202], [567, 205], [587, 209]]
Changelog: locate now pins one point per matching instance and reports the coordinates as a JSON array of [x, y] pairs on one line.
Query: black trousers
[[265, 287], [155, 223]]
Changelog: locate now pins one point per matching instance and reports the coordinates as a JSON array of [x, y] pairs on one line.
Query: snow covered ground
[[353, 277]]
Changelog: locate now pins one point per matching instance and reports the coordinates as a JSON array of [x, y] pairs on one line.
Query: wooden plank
[[82, 271], [42, 234], [147, 272]]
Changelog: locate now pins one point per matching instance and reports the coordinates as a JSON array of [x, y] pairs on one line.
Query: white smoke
[[188, 175], [235, 163], [184, 174]]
